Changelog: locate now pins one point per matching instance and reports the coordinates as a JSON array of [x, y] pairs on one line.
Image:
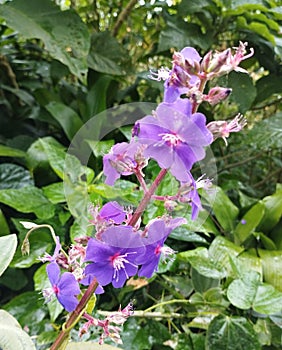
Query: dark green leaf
[[14, 176], [15, 279], [273, 210], [66, 117], [231, 333], [62, 32], [5, 230]]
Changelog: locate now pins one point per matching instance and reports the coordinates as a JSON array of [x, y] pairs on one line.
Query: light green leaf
[[272, 267], [64, 34], [66, 117], [8, 245], [225, 211], [249, 222], [231, 333], [100, 148], [11, 334], [268, 300], [273, 210], [6, 151], [55, 192], [28, 199], [202, 262]]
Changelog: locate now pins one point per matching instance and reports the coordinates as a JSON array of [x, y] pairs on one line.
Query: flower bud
[[216, 95]]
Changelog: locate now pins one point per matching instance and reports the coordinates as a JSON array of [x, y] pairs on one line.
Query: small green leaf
[[231, 333], [11, 335], [8, 245], [55, 192]]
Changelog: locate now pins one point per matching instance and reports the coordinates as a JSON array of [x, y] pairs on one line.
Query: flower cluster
[[174, 136]]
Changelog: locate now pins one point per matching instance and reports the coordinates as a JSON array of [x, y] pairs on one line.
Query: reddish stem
[[75, 315], [147, 197]]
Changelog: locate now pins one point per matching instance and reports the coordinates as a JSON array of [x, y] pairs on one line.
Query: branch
[[123, 16]]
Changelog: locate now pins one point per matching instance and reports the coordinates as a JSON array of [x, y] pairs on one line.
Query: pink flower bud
[[216, 95]]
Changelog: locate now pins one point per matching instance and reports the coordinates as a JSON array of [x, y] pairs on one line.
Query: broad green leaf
[[201, 261], [11, 334], [8, 245], [243, 90], [249, 222], [107, 55], [14, 176], [225, 211], [28, 308], [202, 283], [66, 117], [221, 250], [273, 211], [28, 199], [64, 34], [6, 151], [272, 267], [15, 279], [178, 34], [266, 134], [268, 300], [231, 333], [267, 86], [241, 292]]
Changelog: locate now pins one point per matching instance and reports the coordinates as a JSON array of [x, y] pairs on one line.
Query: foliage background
[[61, 63]]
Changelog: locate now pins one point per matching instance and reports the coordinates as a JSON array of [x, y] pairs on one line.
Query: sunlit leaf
[[8, 245]]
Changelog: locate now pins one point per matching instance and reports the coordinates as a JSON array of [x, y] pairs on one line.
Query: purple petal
[[113, 211], [163, 154], [191, 54], [68, 285], [53, 272], [69, 302], [102, 271]]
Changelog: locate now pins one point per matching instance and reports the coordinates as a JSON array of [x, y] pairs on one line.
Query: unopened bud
[[206, 61], [216, 95], [218, 61]]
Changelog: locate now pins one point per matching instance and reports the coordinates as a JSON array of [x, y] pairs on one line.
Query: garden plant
[[140, 193]]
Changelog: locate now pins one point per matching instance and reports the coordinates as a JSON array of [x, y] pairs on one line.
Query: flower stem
[[147, 197], [74, 316]]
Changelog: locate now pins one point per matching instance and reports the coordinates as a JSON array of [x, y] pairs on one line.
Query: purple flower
[[175, 138], [113, 212], [114, 257], [158, 231], [65, 287], [52, 258], [123, 159], [183, 74], [189, 194]]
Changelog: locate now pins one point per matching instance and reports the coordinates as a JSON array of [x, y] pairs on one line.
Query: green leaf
[[225, 211], [15, 279], [241, 292], [107, 55], [268, 86], [64, 34], [28, 308], [55, 192], [11, 334], [100, 148], [273, 211], [231, 333], [8, 245], [272, 267], [6, 151], [178, 34], [28, 199], [249, 222], [5, 230], [96, 99], [243, 90], [266, 134], [201, 261], [14, 176], [66, 117], [268, 300]]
